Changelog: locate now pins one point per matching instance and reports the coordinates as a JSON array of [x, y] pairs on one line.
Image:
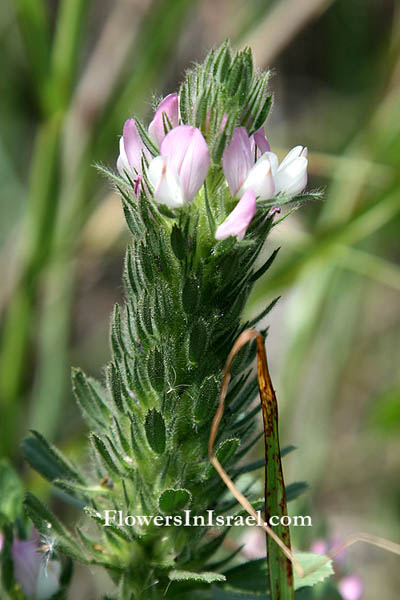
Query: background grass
[[72, 72]]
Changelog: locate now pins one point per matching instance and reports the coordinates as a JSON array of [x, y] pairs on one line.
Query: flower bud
[[167, 112], [238, 221], [131, 149]]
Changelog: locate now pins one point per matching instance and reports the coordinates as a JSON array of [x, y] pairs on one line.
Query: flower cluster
[[252, 172]]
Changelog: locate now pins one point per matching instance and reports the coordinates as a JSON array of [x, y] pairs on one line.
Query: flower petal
[[188, 157], [291, 177], [238, 221], [122, 162], [293, 154], [26, 561], [133, 145], [261, 142], [170, 108], [260, 180], [237, 160], [167, 187]]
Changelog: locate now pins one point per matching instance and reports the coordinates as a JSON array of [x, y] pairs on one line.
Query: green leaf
[[46, 522], [225, 451], [319, 564], [224, 593], [92, 405], [293, 490], [204, 577], [7, 565], [105, 455], [250, 576], [172, 500], [155, 431], [260, 272], [11, 492], [280, 569], [45, 458], [190, 295]]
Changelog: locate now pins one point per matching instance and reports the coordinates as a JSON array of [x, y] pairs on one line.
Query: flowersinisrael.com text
[[210, 519]]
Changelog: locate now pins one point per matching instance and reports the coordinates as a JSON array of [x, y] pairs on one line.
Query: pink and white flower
[[167, 113], [132, 150], [248, 164], [180, 170], [237, 222], [131, 153]]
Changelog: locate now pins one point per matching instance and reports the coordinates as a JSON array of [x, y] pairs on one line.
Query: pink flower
[[242, 171], [259, 142], [180, 170], [131, 151], [248, 164], [319, 546], [351, 587], [254, 543], [131, 147], [167, 112], [238, 221]]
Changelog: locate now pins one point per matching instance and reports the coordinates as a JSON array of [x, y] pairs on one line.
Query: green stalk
[[280, 570], [44, 188], [40, 217], [64, 55], [35, 31]]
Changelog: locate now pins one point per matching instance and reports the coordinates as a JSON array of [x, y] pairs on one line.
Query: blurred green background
[[72, 72]]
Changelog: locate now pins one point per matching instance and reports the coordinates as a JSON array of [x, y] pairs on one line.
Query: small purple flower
[[167, 111], [351, 587], [26, 560], [238, 221], [180, 170], [38, 579]]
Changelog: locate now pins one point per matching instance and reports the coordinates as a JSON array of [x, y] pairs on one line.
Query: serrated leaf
[[155, 431], [103, 451], [204, 577], [172, 500], [93, 408], [320, 565]]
